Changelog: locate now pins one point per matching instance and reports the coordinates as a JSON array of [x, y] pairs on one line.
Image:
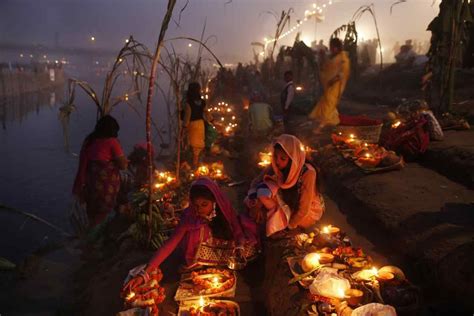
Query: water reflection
[[37, 173], [17, 108]]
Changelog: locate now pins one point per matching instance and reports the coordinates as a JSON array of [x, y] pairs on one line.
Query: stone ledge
[[428, 218], [453, 157]]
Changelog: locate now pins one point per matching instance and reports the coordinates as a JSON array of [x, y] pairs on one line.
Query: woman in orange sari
[[333, 75], [285, 195]]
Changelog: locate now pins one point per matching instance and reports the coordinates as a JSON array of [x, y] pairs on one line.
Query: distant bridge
[[66, 51]]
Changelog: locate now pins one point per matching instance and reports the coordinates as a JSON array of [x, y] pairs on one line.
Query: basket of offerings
[[367, 130], [209, 282], [336, 274]]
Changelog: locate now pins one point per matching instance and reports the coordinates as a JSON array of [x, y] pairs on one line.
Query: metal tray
[[185, 305], [185, 294]]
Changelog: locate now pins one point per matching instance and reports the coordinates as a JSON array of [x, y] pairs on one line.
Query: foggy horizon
[[235, 25]]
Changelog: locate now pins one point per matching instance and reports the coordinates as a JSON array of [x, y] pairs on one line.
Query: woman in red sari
[[98, 180]]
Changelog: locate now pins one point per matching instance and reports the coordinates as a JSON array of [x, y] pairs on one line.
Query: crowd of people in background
[[102, 155]]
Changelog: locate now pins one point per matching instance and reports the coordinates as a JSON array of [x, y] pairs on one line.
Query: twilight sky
[[235, 24]]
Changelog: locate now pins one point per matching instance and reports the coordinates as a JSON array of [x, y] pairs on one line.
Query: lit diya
[[371, 274], [330, 230], [164, 178], [396, 124], [310, 261], [203, 170], [265, 159], [384, 276], [354, 297], [368, 160], [130, 296]]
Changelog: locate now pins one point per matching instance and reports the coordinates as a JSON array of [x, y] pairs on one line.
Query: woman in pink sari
[[285, 195], [208, 232]]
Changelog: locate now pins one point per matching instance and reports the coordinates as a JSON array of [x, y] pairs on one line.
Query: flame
[[202, 302], [265, 159], [396, 124], [299, 88], [326, 229], [314, 259], [203, 170], [374, 271], [130, 296], [264, 163]]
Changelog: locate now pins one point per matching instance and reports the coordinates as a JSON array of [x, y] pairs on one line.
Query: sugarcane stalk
[[151, 86]]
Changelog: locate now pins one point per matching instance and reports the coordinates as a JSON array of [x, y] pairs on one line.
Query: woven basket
[[369, 134]]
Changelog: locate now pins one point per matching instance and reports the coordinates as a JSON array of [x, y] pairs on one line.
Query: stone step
[[428, 218], [453, 157]]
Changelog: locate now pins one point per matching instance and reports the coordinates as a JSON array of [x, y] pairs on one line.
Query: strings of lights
[[316, 12]]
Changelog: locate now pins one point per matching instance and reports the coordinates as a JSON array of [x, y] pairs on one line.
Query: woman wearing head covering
[[98, 180], [286, 193], [194, 116], [208, 232]]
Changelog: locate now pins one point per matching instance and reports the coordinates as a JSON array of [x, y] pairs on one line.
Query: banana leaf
[[302, 276]]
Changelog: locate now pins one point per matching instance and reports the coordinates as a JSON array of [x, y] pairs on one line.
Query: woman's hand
[[133, 283]]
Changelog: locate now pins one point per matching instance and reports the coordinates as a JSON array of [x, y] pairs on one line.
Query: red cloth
[[409, 139], [357, 121], [187, 233], [101, 189], [102, 149]]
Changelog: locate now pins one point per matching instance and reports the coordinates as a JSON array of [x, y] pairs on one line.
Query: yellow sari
[[325, 110]]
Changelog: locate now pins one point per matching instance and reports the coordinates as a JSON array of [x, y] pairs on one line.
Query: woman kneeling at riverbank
[[285, 194], [209, 231]]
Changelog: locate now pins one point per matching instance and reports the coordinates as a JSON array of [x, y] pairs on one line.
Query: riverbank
[[396, 217], [23, 80]]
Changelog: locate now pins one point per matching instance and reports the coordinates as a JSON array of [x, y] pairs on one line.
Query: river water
[[37, 171]]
